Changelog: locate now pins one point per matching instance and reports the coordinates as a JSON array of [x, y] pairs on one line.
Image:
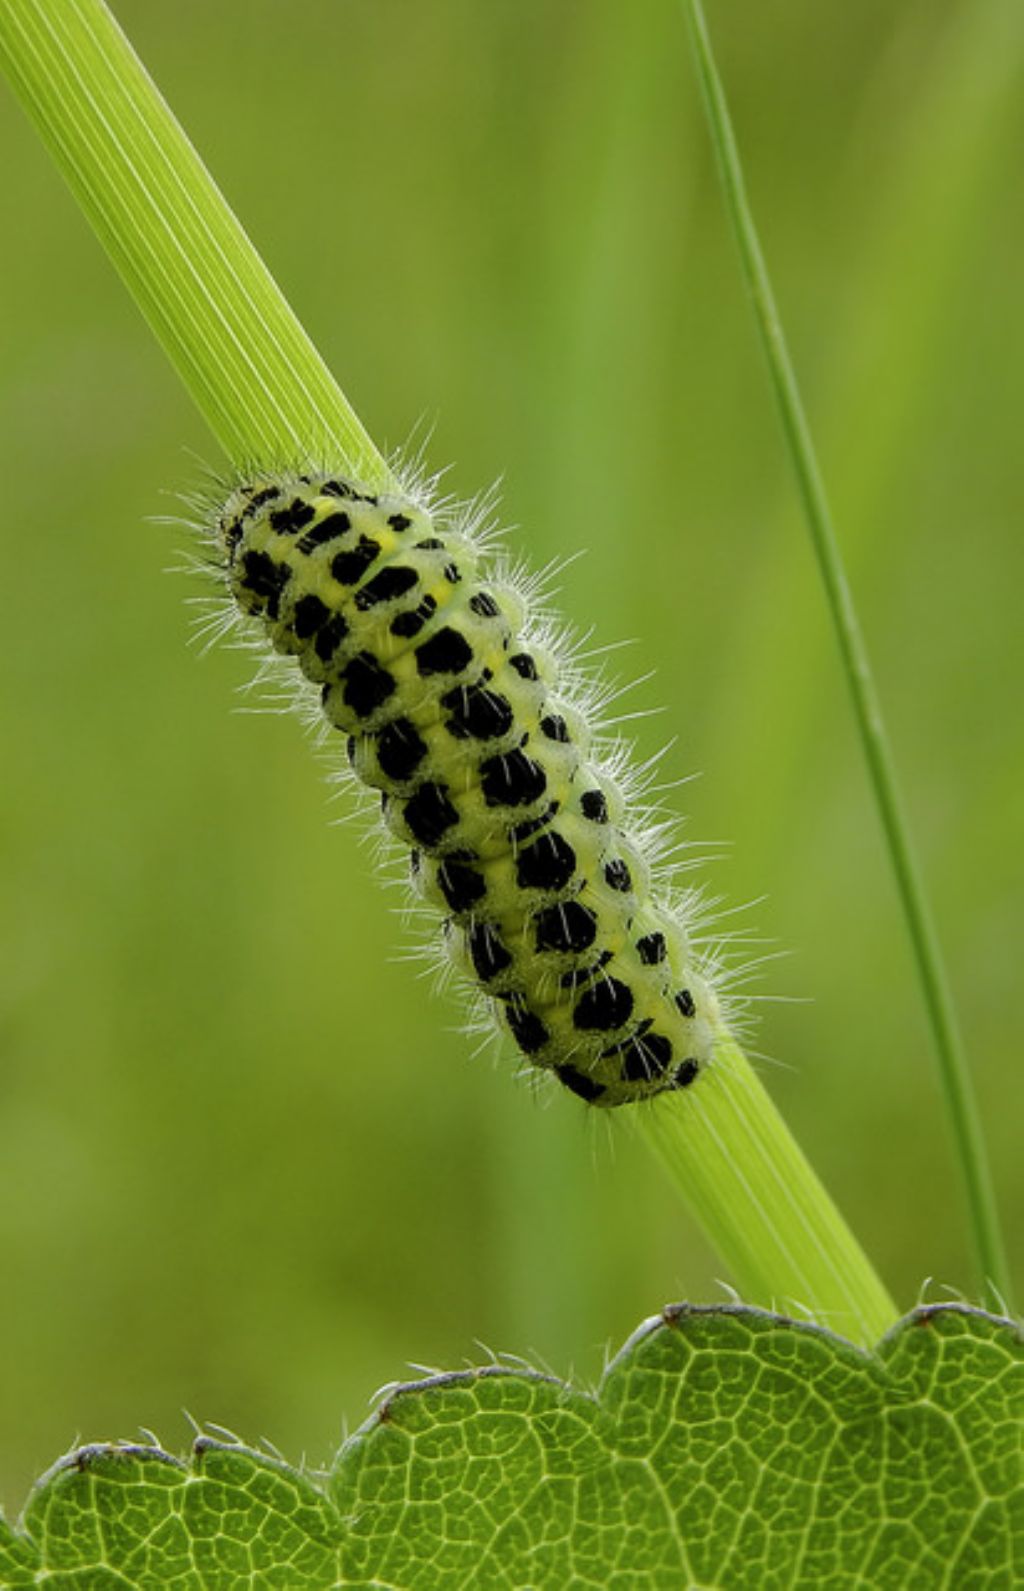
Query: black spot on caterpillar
[[455, 709]]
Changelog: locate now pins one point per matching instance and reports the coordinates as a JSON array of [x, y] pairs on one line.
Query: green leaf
[[725, 1447]]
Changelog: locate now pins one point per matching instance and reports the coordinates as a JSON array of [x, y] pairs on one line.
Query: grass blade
[[749, 1186], [242, 354], [267, 395], [957, 1087]]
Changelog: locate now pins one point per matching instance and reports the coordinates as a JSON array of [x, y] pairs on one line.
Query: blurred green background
[[248, 1165]]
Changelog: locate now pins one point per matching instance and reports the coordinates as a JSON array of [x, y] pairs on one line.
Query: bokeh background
[[248, 1165]]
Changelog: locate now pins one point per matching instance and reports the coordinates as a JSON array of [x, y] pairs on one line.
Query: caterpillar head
[[245, 501]]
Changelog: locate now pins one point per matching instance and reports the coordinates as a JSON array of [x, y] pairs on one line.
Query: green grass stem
[[750, 1188], [267, 395], [962, 1110], [236, 344]]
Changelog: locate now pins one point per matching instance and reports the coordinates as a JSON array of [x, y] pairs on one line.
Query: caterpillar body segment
[[454, 710]]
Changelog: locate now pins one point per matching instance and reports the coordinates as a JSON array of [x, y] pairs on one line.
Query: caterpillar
[[460, 712]]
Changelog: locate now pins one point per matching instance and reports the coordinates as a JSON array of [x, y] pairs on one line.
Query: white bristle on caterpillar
[[460, 708]]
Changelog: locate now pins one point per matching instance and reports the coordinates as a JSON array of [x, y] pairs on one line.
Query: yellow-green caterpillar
[[461, 715]]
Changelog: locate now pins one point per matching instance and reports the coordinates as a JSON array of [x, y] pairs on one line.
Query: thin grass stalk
[[957, 1087]]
